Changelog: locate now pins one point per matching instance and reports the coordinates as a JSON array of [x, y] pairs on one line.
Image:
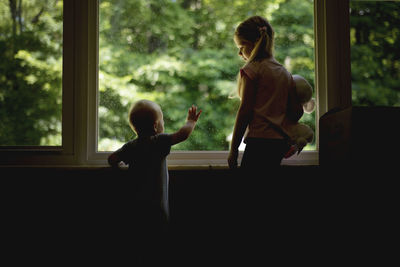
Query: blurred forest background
[[177, 53], [30, 72], [375, 52], [180, 53]]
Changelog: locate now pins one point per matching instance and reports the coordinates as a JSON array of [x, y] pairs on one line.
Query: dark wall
[[363, 139], [196, 196], [214, 214]]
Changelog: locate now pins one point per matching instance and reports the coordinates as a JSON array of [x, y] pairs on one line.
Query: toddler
[[146, 155]]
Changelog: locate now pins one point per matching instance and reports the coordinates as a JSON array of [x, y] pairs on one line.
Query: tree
[[30, 72], [375, 53]]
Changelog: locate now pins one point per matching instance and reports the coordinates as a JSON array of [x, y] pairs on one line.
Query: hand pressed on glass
[[193, 115]]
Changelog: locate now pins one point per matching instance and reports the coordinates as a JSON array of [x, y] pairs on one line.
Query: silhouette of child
[[269, 108], [263, 88], [146, 157]]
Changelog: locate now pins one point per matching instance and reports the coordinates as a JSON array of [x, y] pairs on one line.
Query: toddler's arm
[[183, 133]]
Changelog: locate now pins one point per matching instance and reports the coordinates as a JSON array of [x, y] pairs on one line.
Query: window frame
[[80, 90]]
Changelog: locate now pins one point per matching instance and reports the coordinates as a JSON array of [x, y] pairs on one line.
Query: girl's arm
[[183, 133], [243, 117]]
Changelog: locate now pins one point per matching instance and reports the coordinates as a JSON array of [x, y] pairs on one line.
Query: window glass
[[375, 50], [181, 52], [31, 72]]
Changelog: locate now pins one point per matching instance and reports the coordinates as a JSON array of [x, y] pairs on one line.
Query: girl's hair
[[256, 30]]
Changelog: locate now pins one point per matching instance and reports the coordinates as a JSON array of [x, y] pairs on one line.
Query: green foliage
[[375, 53], [180, 53], [30, 72]]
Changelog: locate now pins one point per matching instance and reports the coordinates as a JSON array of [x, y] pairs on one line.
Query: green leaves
[[180, 53], [30, 73], [375, 50]]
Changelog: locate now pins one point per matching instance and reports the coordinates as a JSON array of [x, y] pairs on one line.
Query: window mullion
[[93, 157], [81, 69]]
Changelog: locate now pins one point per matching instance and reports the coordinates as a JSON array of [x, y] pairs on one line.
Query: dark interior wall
[[69, 208], [361, 138], [194, 194], [303, 210], [213, 207]]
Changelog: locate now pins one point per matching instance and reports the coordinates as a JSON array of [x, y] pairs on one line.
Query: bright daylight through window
[[31, 33], [180, 53]]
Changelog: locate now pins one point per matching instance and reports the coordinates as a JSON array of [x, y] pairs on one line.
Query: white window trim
[[80, 94]]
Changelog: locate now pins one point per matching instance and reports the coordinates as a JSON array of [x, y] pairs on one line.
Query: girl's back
[[273, 83]]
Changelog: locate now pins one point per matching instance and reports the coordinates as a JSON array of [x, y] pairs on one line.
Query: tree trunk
[[13, 13]]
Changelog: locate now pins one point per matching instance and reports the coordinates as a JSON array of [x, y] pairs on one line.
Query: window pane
[[30, 72], [375, 50], [180, 53]]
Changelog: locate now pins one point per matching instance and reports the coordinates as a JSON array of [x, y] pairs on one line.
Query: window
[[82, 104], [375, 61], [31, 73], [182, 52]]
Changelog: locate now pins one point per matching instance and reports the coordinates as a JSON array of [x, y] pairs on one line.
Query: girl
[[264, 87]]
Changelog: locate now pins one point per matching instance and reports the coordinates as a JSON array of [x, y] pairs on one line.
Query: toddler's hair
[[258, 31], [143, 115]]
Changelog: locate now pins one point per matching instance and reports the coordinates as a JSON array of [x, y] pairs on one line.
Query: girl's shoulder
[[259, 65], [273, 67], [263, 67], [250, 70], [270, 62]]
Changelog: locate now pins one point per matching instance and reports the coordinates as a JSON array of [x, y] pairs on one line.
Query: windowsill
[[218, 159], [181, 160]]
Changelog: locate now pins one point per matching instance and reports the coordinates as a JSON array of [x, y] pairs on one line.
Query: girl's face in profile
[[244, 47]]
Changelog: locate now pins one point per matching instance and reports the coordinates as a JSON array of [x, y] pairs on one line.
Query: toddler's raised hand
[[193, 115]]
